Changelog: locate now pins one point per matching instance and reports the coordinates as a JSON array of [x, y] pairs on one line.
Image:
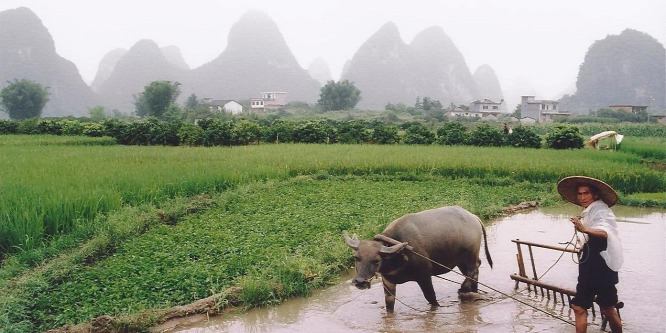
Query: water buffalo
[[450, 236]]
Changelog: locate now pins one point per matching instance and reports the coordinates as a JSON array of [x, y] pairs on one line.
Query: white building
[[270, 100], [541, 111], [223, 105]]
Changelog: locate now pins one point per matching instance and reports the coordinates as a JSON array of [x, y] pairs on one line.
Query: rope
[[489, 287], [438, 312]]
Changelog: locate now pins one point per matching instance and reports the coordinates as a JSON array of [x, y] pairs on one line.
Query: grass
[[651, 149], [128, 230], [53, 189], [276, 240]]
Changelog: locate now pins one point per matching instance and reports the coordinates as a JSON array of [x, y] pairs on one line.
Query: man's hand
[[578, 224]]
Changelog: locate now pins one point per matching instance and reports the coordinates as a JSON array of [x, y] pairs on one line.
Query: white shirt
[[599, 216]]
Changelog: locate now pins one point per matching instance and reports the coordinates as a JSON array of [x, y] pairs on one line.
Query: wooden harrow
[[533, 283]]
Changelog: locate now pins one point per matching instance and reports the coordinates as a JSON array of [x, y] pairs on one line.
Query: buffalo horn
[[392, 249], [352, 242]]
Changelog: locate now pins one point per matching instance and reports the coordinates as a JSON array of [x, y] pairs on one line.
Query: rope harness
[[409, 248]]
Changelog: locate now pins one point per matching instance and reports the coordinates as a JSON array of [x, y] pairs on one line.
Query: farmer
[[601, 257]]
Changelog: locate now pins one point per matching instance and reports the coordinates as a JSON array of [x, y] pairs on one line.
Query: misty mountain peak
[[256, 26], [174, 56], [256, 59], [21, 31], [320, 71], [488, 86], [106, 66], [27, 51], [626, 69]]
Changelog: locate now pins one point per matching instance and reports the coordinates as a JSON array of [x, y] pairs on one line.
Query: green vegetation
[[266, 238], [23, 99], [338, 96], [156, 99], [95, 228], [652, 149], [564, 137]]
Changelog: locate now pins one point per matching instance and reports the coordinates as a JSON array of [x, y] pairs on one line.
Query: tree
[[485, 135], [313, 131], [156, 98], [23, 99], [564, 136], [451, 133], [354, 131], [523, 137], [339, 96], [97, 113], [517, 112], [418, 134], [385, 134], [246, 131], [192, 102], [279, 131]]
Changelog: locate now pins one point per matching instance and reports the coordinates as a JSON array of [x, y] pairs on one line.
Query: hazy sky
[[535, 47]]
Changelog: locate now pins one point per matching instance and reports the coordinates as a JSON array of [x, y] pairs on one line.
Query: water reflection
[[343, 308]]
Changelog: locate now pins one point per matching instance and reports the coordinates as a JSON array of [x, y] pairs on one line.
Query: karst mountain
[[624, 69], [27, 51], [629, 68], [387, 70]]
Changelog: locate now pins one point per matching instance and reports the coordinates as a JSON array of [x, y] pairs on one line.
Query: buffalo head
[[369, 255]]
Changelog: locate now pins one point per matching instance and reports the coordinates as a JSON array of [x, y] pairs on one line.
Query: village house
[[270, 100], [540, 111], [486, 105], [223, 105], [485, 109], [629, 108]]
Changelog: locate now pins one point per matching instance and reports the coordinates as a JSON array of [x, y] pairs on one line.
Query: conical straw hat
[[568, 189]]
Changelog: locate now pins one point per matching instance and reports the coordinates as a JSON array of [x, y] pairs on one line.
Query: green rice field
[[121, 230]]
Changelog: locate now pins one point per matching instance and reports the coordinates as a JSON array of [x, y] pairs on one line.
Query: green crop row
[[275, 240], [653, 149], [47, 189]]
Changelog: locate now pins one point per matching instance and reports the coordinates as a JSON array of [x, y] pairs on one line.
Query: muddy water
[[343, 308]]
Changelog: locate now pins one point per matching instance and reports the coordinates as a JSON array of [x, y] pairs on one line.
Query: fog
[[535, 47]]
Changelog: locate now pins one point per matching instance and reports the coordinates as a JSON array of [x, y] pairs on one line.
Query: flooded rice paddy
[[343, 308]]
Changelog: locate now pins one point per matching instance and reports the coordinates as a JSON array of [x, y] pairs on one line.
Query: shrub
[[418, 134], [246, 131], [523, 137], [191, 135], [71, 127], [29, 126], [485, 135], [216, 132], [113, 128], [452, 133], [48, 126], [9, 127], [314, 132], [564, 136], [279, 131], [354, 131], [385, 134], [92, 129]]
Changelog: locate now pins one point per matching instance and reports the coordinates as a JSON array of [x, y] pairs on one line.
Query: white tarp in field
[[594, 140]]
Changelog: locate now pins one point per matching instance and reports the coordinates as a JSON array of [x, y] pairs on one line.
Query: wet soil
[[343, 308]]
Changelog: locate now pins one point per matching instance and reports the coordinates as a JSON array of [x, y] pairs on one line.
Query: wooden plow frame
[[534, 282]]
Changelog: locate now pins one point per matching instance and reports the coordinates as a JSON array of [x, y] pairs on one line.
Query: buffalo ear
[[392, 249], [352, 242]]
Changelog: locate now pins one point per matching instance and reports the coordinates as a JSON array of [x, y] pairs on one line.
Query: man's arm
[[593, 232]]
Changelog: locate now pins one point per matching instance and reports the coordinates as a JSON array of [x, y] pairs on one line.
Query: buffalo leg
[[471, 278], [428, 291], [389, 295]]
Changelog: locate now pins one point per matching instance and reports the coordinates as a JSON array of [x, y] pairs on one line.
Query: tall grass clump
[[653, 148]]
